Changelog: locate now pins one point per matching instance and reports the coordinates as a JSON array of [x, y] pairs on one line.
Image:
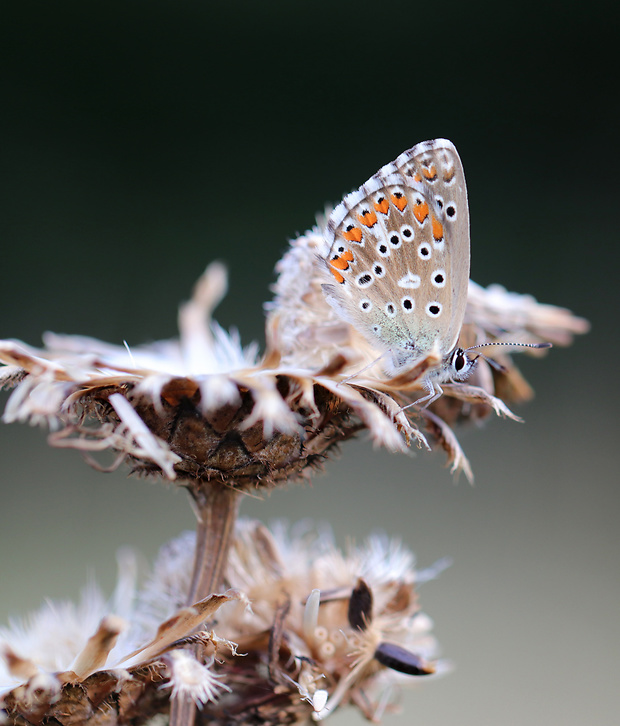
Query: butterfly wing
[[399, 253]]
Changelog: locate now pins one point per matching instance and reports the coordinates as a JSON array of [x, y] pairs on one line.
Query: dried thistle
[[324, 628], [204, 411]]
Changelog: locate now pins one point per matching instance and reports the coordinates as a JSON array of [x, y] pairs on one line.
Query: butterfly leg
[[434, 392]]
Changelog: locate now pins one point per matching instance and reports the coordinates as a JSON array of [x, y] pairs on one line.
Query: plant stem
[[216, 508]]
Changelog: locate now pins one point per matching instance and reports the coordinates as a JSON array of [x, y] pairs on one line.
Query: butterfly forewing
[[399, 253]]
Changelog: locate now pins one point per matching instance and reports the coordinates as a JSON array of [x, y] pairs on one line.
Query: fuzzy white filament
[[192, 680]]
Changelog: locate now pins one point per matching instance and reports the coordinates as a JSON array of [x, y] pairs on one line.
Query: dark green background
[[141, 140]]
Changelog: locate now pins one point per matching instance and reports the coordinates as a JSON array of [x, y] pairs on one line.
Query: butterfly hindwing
[[399, 252]]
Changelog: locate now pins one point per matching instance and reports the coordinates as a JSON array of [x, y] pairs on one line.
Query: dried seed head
[[198, 409], [294, 650], [203, 408]]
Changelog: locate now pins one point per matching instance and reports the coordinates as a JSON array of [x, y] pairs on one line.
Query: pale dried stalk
[[216, 508]]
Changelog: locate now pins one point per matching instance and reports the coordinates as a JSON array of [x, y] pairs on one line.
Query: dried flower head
[[202, 408], [325, 628], [327, 620]]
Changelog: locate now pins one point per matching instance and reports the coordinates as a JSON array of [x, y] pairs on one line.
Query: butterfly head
[[458, 366]]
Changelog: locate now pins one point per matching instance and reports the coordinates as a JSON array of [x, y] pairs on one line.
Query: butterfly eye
[[408, 304], [379, 270], [383, 249], [451, 212], [365, 306], [424, 251], [459, 360], [433, 309], [461, 364], [438, 278]]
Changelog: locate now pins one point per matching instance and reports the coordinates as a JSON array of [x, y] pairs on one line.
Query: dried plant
[[238, 624]]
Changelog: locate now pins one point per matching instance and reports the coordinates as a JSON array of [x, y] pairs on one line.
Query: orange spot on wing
[[338, 276], [353, 235], [417, 177], [430, 173], [383, 206], [449, 174], [437, 229], [340, 263], [420, 211], [399, 200], [347, 255], [369, 219]]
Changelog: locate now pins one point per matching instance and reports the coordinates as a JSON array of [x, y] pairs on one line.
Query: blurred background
[[142, 140]]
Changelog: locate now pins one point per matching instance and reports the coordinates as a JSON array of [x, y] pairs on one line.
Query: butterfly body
[[399, 260]]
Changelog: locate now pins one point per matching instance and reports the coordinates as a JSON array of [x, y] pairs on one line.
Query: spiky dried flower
[[324, 628], [202, 408], [215, 417]]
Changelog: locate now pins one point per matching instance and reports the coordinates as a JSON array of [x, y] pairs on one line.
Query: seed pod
[[402, 660]]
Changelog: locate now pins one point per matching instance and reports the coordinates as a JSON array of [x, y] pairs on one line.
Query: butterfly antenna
[[498, 366], [512, 345]]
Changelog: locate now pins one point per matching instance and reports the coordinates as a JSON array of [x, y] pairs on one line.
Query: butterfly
[[399, 256]]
